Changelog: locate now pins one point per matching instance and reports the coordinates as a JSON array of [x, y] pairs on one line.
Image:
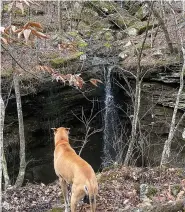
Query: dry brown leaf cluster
[[72, 79], [28, 32]]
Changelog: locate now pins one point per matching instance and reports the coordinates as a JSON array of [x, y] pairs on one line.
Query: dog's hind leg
[[77, 195], [65, 194]]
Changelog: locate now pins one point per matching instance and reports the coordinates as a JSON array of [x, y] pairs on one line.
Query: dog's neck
[[61, 139], [60, 142]]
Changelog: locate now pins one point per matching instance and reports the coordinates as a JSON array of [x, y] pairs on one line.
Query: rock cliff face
[[53, 105], [158, 95], [159, 91]]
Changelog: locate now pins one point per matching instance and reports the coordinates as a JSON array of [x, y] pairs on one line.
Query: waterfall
[[110, 134]]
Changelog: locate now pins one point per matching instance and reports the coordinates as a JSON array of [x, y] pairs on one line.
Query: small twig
[[18, 62]]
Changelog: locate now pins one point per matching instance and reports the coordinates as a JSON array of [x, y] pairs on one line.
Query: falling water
[[110, 122]]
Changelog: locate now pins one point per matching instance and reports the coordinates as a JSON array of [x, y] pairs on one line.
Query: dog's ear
[[68, 130], [54, 130]]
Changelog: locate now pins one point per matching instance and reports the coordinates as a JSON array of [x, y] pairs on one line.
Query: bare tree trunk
[[134, 122], [1, 134], [164, 28], [59, 17], [5, 171], [167, 145], [3, 164], [22, 168], [137, 100]]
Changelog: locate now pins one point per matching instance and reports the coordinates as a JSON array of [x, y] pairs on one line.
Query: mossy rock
[[68, 38], [139, 46], [78, 39], [141, 13], [107, 44], [139, 27], [87, 15], [18, 12], [5, 8], [92, 19], [102, 7], [134, 7], [60, 61], [175, 189], [122, 20], [50, 55], [108, 36], [85, 29], [104, 34]]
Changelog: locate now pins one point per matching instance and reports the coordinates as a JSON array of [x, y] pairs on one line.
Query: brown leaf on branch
[[73, 79], [5, 33], [26, 33], [39, 34], [5, 41], [45, 68], [33, 24], [95, 81], [30, 30], [2, 29], [7, 30]]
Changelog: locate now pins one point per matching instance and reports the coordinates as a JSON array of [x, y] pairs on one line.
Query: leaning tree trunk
[[1, 138], [5, 170], [3, 164], [134, 122], [22, 168], [167, 145]]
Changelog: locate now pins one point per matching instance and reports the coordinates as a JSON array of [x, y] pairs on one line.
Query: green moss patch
[[60, 61]]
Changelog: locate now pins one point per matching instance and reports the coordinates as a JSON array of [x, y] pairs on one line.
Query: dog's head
[[61, 133]]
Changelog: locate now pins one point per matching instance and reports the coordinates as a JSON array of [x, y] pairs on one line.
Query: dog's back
[[69, 165]]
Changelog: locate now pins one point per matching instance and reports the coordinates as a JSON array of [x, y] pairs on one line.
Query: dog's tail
[[91, 190]]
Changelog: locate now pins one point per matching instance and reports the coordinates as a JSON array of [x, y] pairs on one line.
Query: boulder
[[139, 27], [122, 20]]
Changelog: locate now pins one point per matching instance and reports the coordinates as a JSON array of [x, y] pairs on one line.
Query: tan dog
[[72, 169]]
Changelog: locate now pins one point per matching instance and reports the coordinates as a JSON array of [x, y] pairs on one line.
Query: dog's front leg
[[65, 194]]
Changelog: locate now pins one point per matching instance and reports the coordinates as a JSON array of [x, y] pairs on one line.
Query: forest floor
[[120, 189]]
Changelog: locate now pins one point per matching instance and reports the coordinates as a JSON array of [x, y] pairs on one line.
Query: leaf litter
[[119, 190]]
